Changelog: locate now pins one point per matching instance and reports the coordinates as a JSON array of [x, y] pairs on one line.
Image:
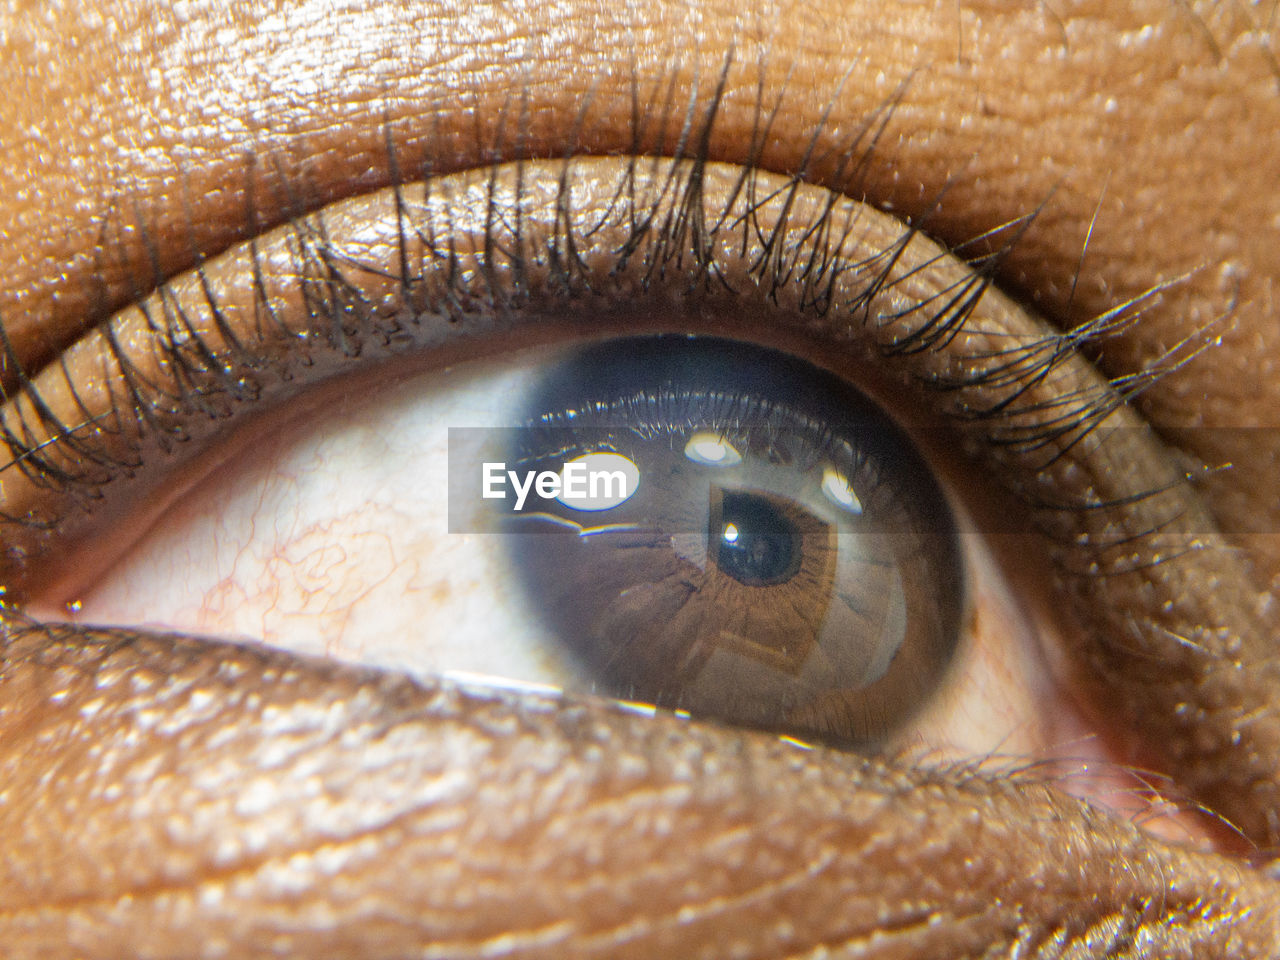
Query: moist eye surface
[[778, 555]]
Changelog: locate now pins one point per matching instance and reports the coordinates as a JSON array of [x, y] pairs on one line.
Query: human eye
[[823, 813]]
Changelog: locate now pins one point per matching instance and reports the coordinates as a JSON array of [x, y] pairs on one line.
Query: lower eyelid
[[501, 250], [420, 822]]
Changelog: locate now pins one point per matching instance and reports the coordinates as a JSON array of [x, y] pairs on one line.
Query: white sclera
[[334, 540]]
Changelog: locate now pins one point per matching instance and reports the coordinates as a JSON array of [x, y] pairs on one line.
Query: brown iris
[[784, 559]]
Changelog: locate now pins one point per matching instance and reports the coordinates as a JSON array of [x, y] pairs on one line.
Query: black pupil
[[757, 545]]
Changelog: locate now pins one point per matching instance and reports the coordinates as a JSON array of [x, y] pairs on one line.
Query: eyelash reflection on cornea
[[463, 256]]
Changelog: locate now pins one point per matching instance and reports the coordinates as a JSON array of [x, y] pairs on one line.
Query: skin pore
[[168, 797]]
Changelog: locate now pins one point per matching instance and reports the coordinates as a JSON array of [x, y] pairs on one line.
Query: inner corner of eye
[[704, 525]]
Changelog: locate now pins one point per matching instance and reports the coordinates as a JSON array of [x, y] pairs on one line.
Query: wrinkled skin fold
[[383, 818]]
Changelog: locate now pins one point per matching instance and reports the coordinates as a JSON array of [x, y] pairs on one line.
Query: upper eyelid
[[806, 63], [151, 231]]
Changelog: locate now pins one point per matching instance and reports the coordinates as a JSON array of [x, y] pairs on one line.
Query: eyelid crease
[[500, 248]]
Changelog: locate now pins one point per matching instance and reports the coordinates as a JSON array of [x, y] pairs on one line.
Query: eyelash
[[207, 385], [195, 359], [1027, 407]]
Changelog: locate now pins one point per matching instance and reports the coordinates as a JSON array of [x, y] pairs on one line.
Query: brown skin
[[147, 813]]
